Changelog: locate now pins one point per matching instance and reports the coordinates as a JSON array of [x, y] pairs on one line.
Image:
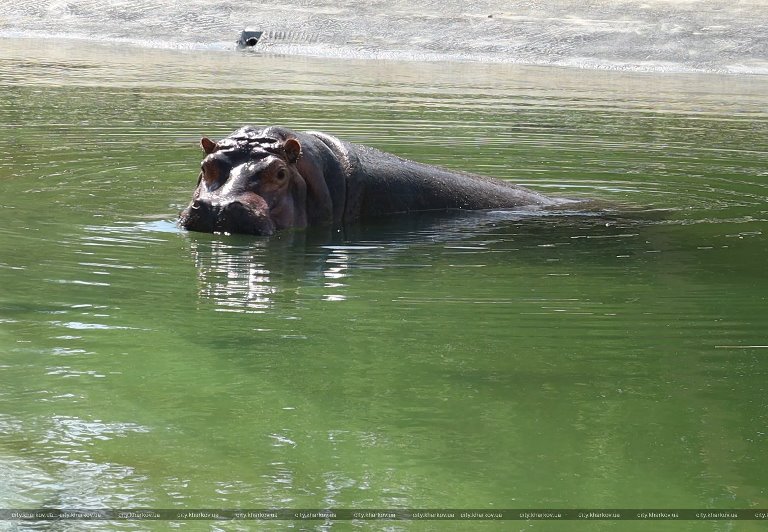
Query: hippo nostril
[[198, 216], [248, 215], [199, 204]]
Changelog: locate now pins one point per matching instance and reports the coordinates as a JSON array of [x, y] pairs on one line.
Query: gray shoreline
[[655, 35]]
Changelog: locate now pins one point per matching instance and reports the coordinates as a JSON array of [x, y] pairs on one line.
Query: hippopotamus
[[259, 180]]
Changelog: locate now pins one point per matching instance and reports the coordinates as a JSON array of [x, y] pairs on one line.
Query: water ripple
[[657, 36]]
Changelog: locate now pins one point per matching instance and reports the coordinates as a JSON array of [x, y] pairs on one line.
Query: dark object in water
[[249, 38], [260, 180]]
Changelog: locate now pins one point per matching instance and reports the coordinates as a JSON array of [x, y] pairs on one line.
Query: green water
[[487, 360]]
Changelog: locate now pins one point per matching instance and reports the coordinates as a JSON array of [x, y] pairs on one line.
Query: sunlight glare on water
[[655, 35]]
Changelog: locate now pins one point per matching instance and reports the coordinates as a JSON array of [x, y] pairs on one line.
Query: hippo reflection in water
[[261, 180]]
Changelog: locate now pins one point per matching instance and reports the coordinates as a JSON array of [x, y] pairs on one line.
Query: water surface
[[653, 35], [482, 360]]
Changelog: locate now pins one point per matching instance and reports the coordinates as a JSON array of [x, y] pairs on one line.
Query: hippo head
[[248, 183]]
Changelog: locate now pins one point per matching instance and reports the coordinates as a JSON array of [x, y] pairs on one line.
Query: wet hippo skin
[[262, 180]]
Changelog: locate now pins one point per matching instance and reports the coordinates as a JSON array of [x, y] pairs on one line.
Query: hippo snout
[[247, 214], [198, 216]]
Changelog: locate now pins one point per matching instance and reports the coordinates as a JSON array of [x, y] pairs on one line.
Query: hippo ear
[[208, 145], [292, 150]]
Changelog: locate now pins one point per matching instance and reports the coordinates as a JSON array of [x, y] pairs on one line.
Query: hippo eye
[[281, 175]]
